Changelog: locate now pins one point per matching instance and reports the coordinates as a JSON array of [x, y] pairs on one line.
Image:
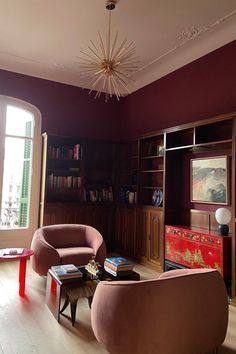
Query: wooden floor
[[28, 327]]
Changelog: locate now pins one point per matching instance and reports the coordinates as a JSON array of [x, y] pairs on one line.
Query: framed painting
[[209, 180]]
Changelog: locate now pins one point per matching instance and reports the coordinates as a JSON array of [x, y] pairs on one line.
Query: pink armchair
[[181, 312], [65, 244]]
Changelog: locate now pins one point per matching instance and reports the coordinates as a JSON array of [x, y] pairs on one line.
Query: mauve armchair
[[182, 312], [66, 244]]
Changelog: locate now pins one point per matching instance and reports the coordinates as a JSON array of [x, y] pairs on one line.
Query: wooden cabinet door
[[120, 228], [156, 236], [141, 248], [54, 214], [104, 223], [130, 231], [84, 215]]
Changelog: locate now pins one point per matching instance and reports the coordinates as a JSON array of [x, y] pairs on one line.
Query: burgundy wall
[[65, 109], [202, 89]]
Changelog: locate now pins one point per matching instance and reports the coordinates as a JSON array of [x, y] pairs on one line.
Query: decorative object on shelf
[[131, 197], [223, 217], [108, 65], [209, 180], [100, 195], [160, 150], [157, 197]]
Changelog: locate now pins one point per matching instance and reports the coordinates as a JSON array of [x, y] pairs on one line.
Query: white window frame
[[22, 237]]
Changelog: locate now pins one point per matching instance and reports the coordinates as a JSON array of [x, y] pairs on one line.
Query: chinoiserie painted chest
[[198, 248]]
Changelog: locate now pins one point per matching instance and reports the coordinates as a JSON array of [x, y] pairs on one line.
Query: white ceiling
[[43, 38]]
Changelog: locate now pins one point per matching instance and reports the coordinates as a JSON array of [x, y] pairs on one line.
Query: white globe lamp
[[223, 217]]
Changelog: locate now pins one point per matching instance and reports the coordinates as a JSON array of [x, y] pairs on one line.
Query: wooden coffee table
[[74, 289]]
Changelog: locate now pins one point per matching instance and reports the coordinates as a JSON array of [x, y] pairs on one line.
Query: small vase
[[223, 229]]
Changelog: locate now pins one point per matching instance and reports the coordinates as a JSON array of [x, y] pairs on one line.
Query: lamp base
[[223, 229]]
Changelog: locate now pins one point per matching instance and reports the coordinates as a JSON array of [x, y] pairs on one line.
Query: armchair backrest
[[69, 235], [181, 312], [47, 240]]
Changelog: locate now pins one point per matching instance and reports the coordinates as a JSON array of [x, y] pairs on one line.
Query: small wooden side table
[[55, 288], [22, 267], [74, 289]]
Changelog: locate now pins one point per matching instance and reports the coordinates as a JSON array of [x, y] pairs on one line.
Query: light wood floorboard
[[28, 327]]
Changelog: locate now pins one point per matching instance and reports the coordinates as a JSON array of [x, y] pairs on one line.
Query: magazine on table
[[66, 271], [11, 251]]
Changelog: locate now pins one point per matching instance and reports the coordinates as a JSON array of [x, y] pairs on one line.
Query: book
[[66, 271], [118, 273], [118, 261], [119, 268], [12, 251], [70, 268]]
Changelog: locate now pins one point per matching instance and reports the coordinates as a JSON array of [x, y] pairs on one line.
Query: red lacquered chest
[[198, 248]]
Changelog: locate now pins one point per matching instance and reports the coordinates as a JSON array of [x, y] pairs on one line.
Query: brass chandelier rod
[[107, 66]]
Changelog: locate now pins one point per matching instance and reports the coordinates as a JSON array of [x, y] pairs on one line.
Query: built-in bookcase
[[127, 176], [90, 181], [100, 168], [63, 169], [151, 171]]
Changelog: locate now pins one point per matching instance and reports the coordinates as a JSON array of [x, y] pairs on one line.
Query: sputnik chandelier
[[108, 65]]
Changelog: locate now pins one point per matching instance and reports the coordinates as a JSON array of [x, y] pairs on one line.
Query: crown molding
[[193, 43]]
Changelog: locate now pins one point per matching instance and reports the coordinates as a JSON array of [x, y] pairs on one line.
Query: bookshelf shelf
[[152, 171], [152, 187], [127, 166], [151, 157]]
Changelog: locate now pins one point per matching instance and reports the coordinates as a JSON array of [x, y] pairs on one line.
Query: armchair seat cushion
[[75, 255]]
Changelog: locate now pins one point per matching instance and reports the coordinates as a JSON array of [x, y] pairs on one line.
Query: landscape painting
[[209, 178]]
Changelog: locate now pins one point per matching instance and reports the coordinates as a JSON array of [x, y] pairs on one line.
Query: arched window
[[20, 147]]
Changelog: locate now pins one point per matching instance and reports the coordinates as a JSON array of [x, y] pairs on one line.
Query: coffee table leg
[[22, 272], [90, 299], [73, 305], [66, 303]]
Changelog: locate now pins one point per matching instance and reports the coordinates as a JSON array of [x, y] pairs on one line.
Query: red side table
[[22, 268]]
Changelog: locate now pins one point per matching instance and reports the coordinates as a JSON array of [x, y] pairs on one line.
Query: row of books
[[118, 266], [66, 271], [64, 181], [65, 152]]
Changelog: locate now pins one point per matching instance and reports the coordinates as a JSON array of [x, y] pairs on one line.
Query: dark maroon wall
[[65, 109], [201, 89]]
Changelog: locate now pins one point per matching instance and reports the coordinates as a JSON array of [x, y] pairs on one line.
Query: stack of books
[[66, 271], [118, 266]]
